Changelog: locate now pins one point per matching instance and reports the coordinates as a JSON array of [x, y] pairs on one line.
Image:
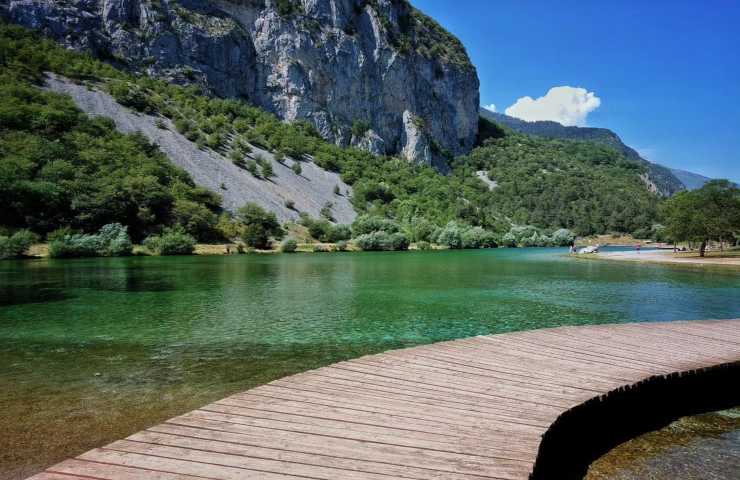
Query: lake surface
[[92, 350]]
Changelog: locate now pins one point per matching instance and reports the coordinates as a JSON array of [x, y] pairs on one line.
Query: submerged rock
[[332, 62]]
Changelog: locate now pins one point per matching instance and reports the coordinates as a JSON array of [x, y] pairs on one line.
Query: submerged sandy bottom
[[702, 447]]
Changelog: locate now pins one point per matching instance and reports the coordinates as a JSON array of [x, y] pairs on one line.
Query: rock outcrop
[[373, 73]]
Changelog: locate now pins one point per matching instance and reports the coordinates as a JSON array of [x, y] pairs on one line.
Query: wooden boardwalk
[[470, 409]]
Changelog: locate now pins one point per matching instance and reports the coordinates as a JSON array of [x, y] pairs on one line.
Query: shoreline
[[730, 258]]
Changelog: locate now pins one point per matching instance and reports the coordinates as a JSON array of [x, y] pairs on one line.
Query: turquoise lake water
[[94, 349]]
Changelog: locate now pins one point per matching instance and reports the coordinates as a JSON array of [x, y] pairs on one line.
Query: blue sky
[[667, 73]]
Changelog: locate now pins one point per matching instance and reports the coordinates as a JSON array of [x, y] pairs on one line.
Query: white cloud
[[566, 105], [490, 107]]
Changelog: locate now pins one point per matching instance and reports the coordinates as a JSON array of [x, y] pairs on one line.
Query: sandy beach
[[667, 256]]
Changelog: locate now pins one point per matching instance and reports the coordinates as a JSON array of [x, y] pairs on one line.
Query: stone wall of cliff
[[372, 73]]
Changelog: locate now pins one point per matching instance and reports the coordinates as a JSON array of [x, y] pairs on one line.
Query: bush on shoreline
[[258, 226], [289, 245], [16, 245], [112, 240], [380, 240], [173, 241]]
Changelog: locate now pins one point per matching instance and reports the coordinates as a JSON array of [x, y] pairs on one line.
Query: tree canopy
[[709, 213]]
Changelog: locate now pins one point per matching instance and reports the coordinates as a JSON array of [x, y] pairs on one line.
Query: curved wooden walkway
[[470, 409]]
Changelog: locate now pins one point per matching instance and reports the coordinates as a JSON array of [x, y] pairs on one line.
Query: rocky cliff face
[[372, 73]]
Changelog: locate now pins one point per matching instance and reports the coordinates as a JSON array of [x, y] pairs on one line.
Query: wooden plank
[[470, 409]]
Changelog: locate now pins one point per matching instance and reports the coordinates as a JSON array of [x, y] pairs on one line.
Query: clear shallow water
[[702, 447], [94, 349]]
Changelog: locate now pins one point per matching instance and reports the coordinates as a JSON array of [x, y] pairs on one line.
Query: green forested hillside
[[549, 183], [663, 178], [59, 168]]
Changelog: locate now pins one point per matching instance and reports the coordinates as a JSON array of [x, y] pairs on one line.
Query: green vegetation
[[258, 225], [60, 168], [172, 241], [16, 245], [325, 231], [456, 235], [377, 233], [382, 241], [112, 240], [359, 128], [289, 245], [709, 213], [583, 186]]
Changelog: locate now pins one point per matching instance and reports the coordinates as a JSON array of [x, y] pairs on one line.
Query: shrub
[[172, 241], [365, 224], [477, 237], [114, 240], [458, 235], [562, 237], [237, 158], [380, 240], [338, 233], [17, 244], [318, 229], [76, 245], [296, 167], [131, 95], [259, 226], [423, 245], [359, 128], [451, 235], [290, 204], [420, 229], [160, 124], [183, 126], [267, 170], [326, 211], [289, 245], [342, 245], [252, 168], [508, 240]]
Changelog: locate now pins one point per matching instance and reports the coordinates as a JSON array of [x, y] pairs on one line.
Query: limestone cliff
[[378, 74]]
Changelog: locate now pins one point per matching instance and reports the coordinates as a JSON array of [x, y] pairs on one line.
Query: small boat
[[589, 249]]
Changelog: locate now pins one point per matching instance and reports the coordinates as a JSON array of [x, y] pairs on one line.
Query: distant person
[[637, 247]]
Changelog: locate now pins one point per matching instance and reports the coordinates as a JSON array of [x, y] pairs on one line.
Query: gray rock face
[[310, 191], [332, 62]]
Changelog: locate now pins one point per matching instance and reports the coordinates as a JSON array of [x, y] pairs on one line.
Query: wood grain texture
[[473, 409]]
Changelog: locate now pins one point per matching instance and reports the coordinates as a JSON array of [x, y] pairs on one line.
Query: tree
[[259, 226], [267, 170], [709, 213]]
